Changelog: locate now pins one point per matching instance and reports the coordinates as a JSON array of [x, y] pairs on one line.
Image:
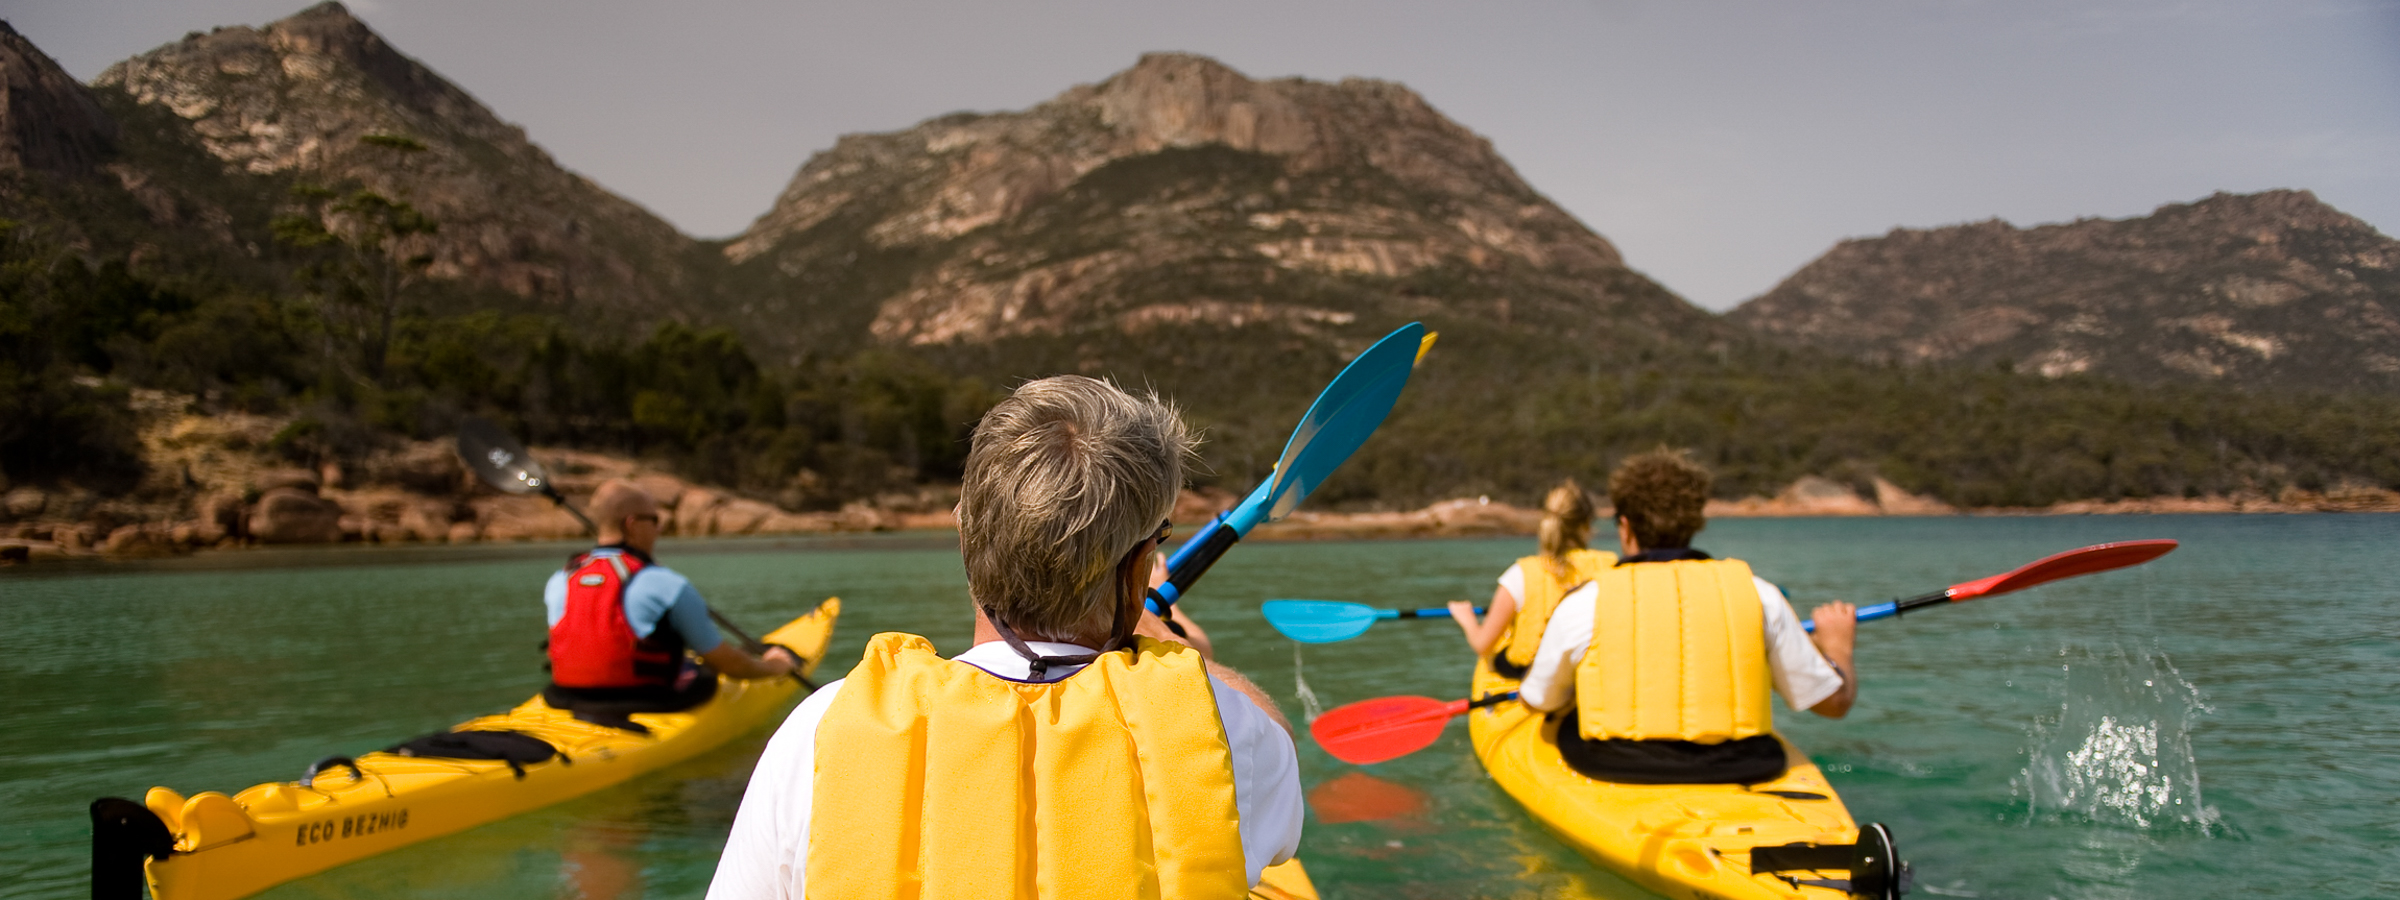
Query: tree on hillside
[[372, 231]]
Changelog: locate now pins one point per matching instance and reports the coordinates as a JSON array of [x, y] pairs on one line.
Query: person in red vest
[[620, 624]]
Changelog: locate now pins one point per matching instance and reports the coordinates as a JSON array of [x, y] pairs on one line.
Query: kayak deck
[[229, 847], [1680, 840]]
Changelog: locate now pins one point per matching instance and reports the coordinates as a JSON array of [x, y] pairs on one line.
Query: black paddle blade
[[499, 460]]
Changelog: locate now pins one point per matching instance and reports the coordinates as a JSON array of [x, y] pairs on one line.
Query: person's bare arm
[[1239, 682], [732, 660], [1483, 635], [1836, 638]]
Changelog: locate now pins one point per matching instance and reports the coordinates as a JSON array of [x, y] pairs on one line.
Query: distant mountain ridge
[[2267, 290], [1225, 241], [47, 121], [287, 103], [1177, 192]]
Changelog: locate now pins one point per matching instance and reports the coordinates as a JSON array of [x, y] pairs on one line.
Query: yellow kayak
[[221, 847], [1287, 881], [1682, 840]]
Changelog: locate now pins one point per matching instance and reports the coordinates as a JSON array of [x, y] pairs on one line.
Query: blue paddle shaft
[[1865, 614], [1438, 612]]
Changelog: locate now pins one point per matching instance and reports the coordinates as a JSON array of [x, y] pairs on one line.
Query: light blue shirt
[[656, 592]]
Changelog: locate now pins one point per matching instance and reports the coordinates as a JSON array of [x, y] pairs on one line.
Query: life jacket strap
[[1120, 639]]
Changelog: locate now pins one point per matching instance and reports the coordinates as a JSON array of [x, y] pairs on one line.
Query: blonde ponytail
[[1566, 523]]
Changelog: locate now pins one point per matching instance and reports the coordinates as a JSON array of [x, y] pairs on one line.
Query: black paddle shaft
[[1920, 601], [1198, 560], [561, 500]]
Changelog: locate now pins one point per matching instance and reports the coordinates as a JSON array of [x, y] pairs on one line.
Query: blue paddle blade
[[1344, 416], [1318, 621]]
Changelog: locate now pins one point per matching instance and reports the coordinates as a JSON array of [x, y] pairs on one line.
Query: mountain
[[1177, 194], [289, 103], [2274, 290], [48, 122], [1226, 241]]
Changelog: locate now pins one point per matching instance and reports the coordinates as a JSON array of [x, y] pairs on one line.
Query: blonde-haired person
[[1531, 587], [1074, 751]]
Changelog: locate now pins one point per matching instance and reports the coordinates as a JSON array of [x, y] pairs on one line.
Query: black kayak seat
[[1749, 760], [516, 748]]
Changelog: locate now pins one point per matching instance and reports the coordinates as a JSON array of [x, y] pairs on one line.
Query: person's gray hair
[[1063, 479]]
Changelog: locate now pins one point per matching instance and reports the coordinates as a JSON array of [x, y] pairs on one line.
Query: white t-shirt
[[766, 856], [1513, 581], [1801, 674]]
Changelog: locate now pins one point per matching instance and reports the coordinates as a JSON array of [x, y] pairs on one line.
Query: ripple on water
[[2119, 751]]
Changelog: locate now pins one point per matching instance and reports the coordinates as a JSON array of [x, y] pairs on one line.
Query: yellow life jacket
[[936, 780], [1543, 588], [1679, 652]]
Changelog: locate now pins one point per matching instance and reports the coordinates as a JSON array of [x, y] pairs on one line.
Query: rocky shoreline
[[216, 483], [286, 506]]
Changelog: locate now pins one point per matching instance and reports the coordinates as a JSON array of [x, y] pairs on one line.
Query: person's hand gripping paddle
[[1349, 410], [501, 462], [1371, 731]]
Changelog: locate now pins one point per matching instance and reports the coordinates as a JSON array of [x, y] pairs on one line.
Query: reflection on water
[[2120, 750], [597, 862]]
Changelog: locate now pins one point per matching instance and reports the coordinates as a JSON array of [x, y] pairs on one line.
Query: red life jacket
[[592, 646]]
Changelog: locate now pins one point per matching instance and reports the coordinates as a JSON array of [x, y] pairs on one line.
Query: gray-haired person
[[1076, 750]]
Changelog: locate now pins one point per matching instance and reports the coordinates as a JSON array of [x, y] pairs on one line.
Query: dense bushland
[[74, 336], [1495, 410]]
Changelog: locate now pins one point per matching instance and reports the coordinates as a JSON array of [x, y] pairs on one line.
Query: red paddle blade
[[1371, 731], [2084, 561], [1360, 797]]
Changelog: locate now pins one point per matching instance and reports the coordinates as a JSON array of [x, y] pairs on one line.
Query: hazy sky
[[1720, 145]]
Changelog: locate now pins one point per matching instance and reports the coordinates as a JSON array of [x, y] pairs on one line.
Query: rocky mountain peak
[[1043, 220], [298, 98], [1182, 100], [297, 93], [48, 122], [2268, 289]]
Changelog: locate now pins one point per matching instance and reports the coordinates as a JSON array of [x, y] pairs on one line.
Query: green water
[[2220, 722]]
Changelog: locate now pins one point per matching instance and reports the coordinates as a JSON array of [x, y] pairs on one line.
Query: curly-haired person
[[1664, 661]]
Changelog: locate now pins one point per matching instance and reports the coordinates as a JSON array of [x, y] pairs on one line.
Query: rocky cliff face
[[290, 101], [1176, 193], [47, 121], [2269, 290]]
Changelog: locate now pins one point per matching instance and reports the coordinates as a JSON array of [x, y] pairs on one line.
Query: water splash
[[1310, 709], [2120, 750]]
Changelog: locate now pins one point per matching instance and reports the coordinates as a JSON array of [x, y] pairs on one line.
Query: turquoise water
[[2217, 723]]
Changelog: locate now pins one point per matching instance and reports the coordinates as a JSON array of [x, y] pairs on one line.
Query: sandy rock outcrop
[[1895, 501], [1449, 518], [295, 515]]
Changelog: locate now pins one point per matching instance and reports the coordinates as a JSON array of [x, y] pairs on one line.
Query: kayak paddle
[[1349, 410], [2079, 561], [501, 462], [1327, 621], [1371, 731]]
